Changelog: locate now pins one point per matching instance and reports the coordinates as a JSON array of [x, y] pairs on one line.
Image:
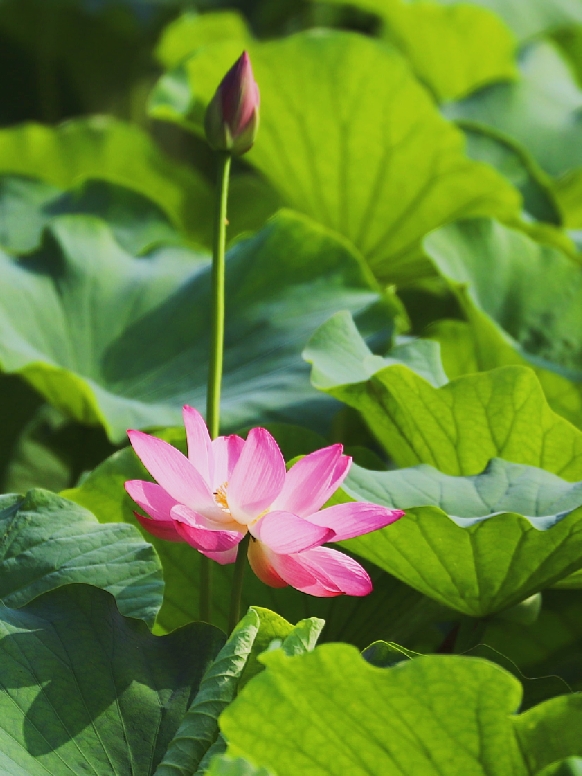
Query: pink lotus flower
[[232, 117], [228, 487]]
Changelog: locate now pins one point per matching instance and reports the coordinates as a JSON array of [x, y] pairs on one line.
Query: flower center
[[220, 497]]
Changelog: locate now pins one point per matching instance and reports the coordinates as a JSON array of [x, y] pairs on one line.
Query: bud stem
[[216, 345]]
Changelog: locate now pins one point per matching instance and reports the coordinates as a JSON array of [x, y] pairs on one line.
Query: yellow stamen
[[220, 497]]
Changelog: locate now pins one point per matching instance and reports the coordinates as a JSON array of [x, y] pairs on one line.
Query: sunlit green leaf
[[373, 160], [191, 31], [104, 149], [49, 542], [85, 690], [453, 50], [523, 302], [456, 428], [330, 712], [476, 544]]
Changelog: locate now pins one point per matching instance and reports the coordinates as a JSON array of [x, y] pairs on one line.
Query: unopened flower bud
[[232, 117]]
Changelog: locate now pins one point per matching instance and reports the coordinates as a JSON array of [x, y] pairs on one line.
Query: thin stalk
[[237, 584], [216, 347]]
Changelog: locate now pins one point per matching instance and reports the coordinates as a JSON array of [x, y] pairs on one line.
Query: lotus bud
[[232, 117]]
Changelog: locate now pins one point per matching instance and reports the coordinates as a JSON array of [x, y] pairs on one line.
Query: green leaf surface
[[453, 50], [198, 736], [374, 161], [75, 316], [476, 544], [48, 541], [540, 200], [85, 690], [351, 619], [550, 731], [101, 148], [456, 428], [330, 712], [529, 18], [541, 111], [192, 31], [27, 206], [229, 766], [523, 302], [572, 766]]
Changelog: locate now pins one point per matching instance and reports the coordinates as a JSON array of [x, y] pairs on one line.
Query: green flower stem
[[237, 584], [216, 347]]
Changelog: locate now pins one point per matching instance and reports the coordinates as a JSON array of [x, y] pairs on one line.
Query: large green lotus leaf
[[526, 18], [48, 541], [373, 160], [453, 50], [477, 544], [540, 199], [86, 690], [27, 206], [76, 315], [330, 712], [223, 765], [523, 302], [456, 428], [106, 149], [352, 619], [192, 31], [542, 111], [197, 740], [529, 18]]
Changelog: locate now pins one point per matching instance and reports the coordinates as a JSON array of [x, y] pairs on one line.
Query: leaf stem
[[237, 584], [216, 345]]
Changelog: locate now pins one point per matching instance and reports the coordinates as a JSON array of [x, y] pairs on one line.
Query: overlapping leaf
[[330, 712], [105, 149], [541, 111], [453, 50], [523, 302], [197, 740], [374, 160], [123, 341], [456, 428], [478, 544], [47, 541], [87, 690]]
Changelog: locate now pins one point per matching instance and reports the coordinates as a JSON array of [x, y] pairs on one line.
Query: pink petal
[[330, 566], [161, 529], [354, 519], [226, 451], [195, 529], [311, 481], [285, 533], [300, 575], [260, 559], [173, 471], [152, 498], [157, 503], [224, 558], [257, 478], [199, 447]]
